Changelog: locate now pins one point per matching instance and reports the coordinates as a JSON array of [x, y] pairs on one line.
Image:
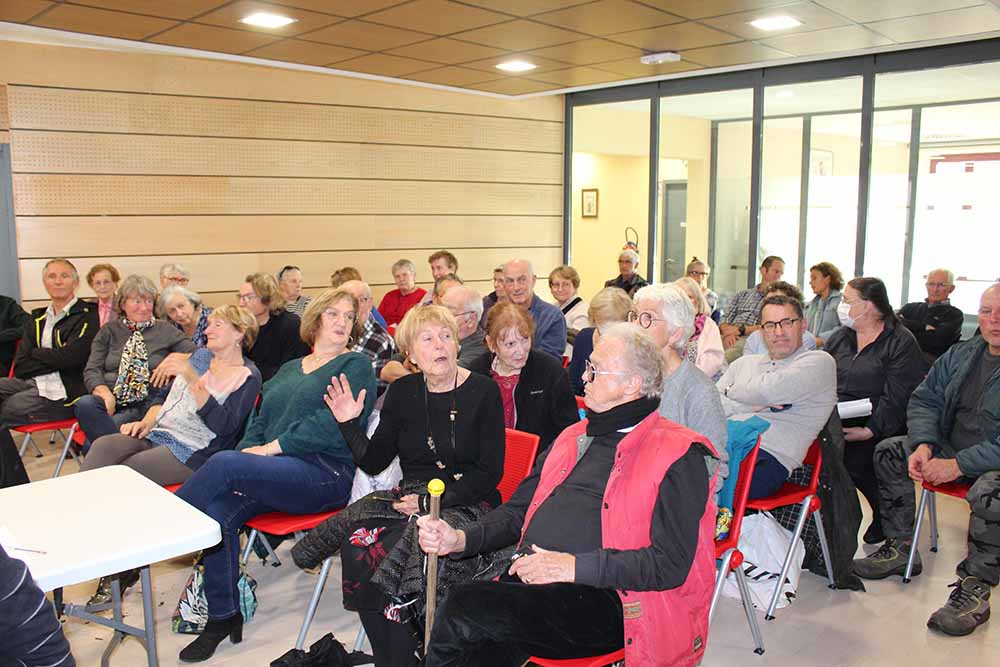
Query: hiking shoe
[[967, 608], [890, 559]]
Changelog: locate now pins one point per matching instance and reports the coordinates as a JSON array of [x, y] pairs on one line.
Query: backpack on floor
[[191, 613]]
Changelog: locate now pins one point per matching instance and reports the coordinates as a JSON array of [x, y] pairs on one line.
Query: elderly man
[[290, 283], [616, 524], [375, 341], [48, 369], [743, 310], [934, 322], [954, 436], [550, 325], [628, 279], [689, 396], [442, 284], [791, 388], [396, 303], [174, 274]]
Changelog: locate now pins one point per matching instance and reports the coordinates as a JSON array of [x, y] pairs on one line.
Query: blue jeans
[[96, 422], [768, 476], [233, 487]]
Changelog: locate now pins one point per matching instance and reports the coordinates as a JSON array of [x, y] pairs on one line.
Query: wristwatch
[[743, 330]]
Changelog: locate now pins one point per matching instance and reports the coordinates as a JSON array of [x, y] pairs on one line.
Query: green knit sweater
[[294, 413]]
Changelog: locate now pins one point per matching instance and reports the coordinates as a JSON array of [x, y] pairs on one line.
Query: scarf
[[132, 385], [620, 416]]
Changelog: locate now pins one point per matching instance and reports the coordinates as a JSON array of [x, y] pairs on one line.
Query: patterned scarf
[[132, 384]]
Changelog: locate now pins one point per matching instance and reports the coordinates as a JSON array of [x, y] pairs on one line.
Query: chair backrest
[[742, 491], [519, 456], [814, 457], [580, 404]]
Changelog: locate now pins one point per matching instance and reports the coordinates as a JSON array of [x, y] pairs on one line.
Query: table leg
[[148, 617], [116, 612]]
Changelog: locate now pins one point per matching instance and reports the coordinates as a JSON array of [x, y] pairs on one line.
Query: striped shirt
[[32, 635]]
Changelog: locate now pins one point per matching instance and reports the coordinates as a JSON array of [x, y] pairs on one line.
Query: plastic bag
[[764, 544]]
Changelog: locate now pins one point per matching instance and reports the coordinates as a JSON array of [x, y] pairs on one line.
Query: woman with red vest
[[614, 529]]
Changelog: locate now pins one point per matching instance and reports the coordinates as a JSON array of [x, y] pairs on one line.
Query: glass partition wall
[[884, 165]]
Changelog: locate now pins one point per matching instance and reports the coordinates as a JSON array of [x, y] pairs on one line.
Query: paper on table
[[14, 549], [859, 408]]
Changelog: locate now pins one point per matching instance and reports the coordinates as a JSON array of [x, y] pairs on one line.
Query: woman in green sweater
[[293, 457]]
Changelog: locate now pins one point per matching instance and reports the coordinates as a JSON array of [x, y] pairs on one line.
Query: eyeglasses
[[644, 319], [937, 285], [248, 298], [461, 314], [346, 316], [590, 373], [178, 280], [783, 324], [698, 273]]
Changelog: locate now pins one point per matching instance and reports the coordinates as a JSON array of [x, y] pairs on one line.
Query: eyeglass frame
[[779, 324], [591, 372], [637, 318]]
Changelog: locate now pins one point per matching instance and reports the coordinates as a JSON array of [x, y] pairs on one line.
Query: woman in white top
[[564, 281], [704, 348]]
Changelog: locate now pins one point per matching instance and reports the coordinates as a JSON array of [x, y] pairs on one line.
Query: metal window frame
[[867, 67], [9, 283]]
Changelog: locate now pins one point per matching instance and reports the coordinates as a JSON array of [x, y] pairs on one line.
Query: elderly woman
[[210, 398], [880, 360], [534, 387], [122, 359], [689, 396], [104, 279], [186, 311], [821, 313], [293, 457], [290, 283], [608, 306], [444, 422], [396, 303], [628, 279], [564, 281], [278, 340], [704, 348], [699, 272]]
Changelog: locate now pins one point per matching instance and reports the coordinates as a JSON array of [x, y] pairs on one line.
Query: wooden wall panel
[[100, 111], [4, 114], [75, 152], [411, 236]]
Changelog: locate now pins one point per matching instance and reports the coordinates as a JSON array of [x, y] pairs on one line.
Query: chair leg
[[741, 582], [249, 547], [66, 449], [932, 509], [821, 532], [916, 535], [787, 565], [313, 602], [34, 445], [52, 437], [720, 580], [359, 640], [275, 561]]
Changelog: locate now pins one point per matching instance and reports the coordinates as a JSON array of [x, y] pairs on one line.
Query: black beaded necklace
[[452, 414]]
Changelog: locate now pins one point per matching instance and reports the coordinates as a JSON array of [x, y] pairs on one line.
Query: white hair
[[531, 267], [470, 299], [404, 264], [640, 355], [632, 256], [675, 308], [950, 275], [171, 269]]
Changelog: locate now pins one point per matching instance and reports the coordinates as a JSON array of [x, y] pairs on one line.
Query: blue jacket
[[934, 403], [550, 327]]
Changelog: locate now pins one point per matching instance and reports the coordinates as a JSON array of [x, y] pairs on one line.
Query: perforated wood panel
[[4, 123], [93, 111]]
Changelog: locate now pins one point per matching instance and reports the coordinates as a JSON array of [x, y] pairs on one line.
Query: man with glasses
[[375, 341], [174, 274], [934, 322], [550, 325], [791, 388]]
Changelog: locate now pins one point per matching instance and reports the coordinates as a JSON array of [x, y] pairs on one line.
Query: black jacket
[[887, 372], [71, 339], [543, 400], [945, 318], [12, 320]]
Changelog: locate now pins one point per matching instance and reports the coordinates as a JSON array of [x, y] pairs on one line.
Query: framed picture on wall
[[588, 204]]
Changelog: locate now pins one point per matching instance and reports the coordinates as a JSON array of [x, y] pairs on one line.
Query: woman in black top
[[880, 360], [444, 422], [278, 339], [533, 385]]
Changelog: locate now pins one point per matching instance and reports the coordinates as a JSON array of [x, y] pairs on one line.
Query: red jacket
[[661, 627]]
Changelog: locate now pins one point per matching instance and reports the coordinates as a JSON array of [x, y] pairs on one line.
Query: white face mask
[[844, 314]]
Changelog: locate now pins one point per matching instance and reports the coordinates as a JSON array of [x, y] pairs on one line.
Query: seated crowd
[[619, 510]]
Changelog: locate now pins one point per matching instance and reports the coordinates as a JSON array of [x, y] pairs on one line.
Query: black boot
[[204, 646], [102, 595]]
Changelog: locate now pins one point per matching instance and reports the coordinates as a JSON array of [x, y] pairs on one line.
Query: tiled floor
[[884, 626]]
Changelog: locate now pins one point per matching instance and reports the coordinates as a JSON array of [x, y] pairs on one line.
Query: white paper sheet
[[851, 409]]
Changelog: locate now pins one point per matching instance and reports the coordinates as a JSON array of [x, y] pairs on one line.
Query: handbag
[[191, 613]]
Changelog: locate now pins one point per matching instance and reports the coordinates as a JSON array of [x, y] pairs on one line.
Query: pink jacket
[[661, 627]]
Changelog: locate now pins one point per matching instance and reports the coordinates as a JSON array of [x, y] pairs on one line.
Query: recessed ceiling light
[[516, 66], [780, 22], [266, 20]]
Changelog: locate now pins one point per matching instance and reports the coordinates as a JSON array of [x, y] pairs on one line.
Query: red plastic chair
[[727, 551], [580, 404], [10, 371], [928, 500], [565, 361], [520, 450], [596, 661], [809, 502]]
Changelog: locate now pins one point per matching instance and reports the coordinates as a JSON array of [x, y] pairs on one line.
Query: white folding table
[[99, 523]]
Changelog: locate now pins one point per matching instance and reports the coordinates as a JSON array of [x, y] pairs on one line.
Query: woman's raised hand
[[341, 401]]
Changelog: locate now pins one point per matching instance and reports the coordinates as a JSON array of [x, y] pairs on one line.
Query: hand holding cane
[[436, 488]]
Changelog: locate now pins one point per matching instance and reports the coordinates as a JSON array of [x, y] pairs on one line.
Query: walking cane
[[436, 488]]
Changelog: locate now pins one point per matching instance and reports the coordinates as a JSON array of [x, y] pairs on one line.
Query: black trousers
[[860, 463], [499, 624]]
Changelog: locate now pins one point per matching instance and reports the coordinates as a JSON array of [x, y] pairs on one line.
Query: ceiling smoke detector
[[660, 58]]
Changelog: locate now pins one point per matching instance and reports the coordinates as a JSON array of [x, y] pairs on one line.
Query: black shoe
[[102, 595], [204, 646], [967, 608], [874, 534]]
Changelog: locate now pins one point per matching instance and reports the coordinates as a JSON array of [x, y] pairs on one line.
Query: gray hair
[[404, 264], [640, 355], [134, 285], [170, 269], [675, 308], [947, 272], [632, 255], [61, 260], [170, 291], [693, 290], [470, 299]]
